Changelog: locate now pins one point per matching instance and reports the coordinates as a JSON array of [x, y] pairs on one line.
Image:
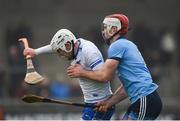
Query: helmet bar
[[115, 20], [61, 38]]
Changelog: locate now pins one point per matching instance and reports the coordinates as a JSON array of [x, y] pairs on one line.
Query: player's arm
[[105, 73], [119, 95], [32, 52]]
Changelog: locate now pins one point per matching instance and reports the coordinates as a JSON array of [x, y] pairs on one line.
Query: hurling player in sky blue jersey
[[125, 58]]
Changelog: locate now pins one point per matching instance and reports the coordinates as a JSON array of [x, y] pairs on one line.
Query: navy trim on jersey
[[116, 58], [77, 49], [95, 63], [121, 37]]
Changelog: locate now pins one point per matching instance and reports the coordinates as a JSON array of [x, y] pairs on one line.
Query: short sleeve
[[116, 51], [93, 57]]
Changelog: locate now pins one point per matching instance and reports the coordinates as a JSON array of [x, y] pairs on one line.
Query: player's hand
[[75, 71], [103, 106], [29, 51]]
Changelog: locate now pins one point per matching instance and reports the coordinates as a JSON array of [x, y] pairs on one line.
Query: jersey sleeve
[[93, 58], [44, 49], [116, 51]]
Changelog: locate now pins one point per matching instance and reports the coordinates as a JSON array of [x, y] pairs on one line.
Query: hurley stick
[[32, 77]]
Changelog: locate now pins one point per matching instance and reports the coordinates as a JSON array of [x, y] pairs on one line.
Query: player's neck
[[115, 38]]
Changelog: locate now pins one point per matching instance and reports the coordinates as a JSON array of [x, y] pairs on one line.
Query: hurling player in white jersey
[[81, 51]]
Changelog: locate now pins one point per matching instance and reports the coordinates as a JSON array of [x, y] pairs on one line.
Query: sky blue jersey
[[132, 70]]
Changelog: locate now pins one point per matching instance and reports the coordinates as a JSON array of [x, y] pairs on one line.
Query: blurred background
[[155, 29]]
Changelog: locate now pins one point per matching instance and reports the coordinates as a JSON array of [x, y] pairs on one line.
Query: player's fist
[[29, 51], [75, 71], [103, 106]]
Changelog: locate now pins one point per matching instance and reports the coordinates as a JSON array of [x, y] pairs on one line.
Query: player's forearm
[[97, 75], [44, 49], [119, 95]]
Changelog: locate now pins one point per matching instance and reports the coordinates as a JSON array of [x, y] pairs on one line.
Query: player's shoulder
[[89, 49], [122, 43], [85, 42], [87, 45]]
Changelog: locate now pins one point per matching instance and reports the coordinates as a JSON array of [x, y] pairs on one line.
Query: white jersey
[[90, 57]]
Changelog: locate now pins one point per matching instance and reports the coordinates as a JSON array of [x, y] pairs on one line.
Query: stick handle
[[26, 45], [66, 102], [38, 99]]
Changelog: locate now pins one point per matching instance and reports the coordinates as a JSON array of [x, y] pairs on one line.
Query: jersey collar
[[77, 50]]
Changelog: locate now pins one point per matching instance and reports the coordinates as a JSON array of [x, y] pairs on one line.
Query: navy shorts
[[145, 108], [89, 114]]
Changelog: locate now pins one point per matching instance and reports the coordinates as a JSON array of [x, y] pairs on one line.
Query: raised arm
[[44, 49], [32, 52], [104, 74]]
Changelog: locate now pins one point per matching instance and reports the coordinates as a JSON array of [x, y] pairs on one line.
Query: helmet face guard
[[61, 38], [107, 24], [119, 21], [69, 54], [105, 33]]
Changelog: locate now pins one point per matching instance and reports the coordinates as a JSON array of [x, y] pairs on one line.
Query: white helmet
[[61, 38]]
